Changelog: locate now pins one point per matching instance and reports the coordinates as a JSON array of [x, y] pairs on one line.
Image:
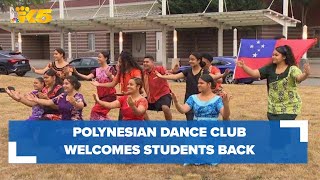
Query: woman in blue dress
[[206, 105]]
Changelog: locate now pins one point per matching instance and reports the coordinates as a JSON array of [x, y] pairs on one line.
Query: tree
[[240, 5], [305, 7], [198, 6], [5, 4]]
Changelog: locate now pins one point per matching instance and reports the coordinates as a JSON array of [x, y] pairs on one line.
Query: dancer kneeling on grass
[[206, 105], [70, 103], [133, 106], [51, 90], [37, 110]]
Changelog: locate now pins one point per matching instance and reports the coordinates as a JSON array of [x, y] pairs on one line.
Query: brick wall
[[189, 40], [5, 41], [205, 41], [151, 46], [36, 47]]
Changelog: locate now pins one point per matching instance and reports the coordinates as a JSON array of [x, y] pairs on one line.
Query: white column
[[305, 36], [164, 7], [19, 42], [164, 36], [120, 41], [175, 44], [61, 9], [11, 9], [235, 42], [13, 39], [164, 47], [220, 32], [111, 8], [111, 14], [62, 38], [69, 46], [220, 5], [111, 45], [220, 41], [285, 12]]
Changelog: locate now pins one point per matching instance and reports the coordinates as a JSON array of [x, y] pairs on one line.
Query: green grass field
[[249, 102]]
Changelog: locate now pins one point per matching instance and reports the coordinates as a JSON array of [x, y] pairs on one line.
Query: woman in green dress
[[283, 75]]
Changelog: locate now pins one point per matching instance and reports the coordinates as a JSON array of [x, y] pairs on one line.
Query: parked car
[[229, 62], [85, 65], [223, 63], [13, 62]]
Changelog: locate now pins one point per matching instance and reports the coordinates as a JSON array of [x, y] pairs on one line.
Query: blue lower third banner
[[201, 142]]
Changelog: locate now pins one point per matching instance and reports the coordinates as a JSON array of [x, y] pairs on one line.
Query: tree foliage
[[5, 4], [198, 6], [305, 7]]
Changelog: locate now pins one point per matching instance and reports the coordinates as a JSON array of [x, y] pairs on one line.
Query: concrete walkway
[[315, 68]]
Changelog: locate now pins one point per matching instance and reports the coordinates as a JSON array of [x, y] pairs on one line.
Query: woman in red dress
[[133, 106]]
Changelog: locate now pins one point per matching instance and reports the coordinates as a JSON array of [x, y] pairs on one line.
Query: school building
[[138, 26]]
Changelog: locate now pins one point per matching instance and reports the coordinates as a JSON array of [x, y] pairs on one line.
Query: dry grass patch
[[249, 103]]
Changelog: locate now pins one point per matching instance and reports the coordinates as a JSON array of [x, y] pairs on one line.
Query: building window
[[91, 42], [317, 35]]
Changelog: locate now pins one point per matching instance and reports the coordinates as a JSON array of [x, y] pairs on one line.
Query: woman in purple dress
[[70, 103], [37, 110]]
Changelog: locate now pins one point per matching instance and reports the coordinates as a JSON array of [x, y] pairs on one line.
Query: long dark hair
[[207, 56], [106, 54], [58, 81], [208, 79], [286, 51], [61, 51], [199, 58], [128, 63], [74, 82]]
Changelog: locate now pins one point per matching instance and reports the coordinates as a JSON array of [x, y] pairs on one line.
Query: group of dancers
[[56, 94]]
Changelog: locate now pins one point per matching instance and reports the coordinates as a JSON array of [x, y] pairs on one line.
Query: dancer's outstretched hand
[[240, 63], [130, 101], [95, 83], [96, 97], [306, 69], [31, 97], [174, 97], [226, 97], [158, 74]]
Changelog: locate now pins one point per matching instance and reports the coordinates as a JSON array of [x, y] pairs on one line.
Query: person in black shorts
[[157, 89]]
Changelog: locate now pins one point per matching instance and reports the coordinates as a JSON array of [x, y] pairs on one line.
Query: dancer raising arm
[[102, 74], [59, 64], [283, 75]]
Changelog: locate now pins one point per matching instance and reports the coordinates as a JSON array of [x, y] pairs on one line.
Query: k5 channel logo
[[25, 14]]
